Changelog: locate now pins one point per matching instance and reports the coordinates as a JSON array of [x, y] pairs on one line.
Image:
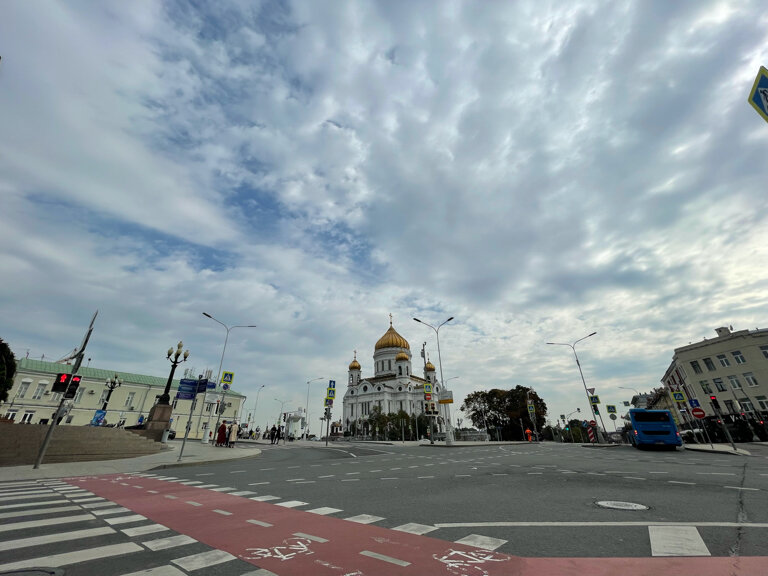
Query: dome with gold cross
[[354, 365], [392, 339]]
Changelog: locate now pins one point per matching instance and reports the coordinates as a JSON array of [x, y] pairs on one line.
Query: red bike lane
[[290, 542]]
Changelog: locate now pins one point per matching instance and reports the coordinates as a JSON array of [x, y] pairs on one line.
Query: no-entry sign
[[698, 413], [592, 423]]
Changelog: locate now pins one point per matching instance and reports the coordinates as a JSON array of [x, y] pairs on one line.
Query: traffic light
[[432, 408], [567, 428], [62, 382], [74, 384], [594, 407], [284, 416], [714, 401]]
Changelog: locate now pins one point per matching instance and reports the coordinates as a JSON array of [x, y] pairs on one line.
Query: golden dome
[[354, 365], [430, 367], [401, 356], [392, 339]]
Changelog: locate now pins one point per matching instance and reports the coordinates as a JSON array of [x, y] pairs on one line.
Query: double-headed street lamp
[[449, 430], [111, 384], [218, 378], [306, 410], [173, 358], [573, 347]]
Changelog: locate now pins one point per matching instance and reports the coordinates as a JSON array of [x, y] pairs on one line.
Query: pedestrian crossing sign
[[594, 399], [610, 408], [679, 396], [227, 377], [532, 409], [331, 393], [331, 384], [758, 96]]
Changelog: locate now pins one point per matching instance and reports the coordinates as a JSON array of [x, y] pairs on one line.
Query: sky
[[537, 170]]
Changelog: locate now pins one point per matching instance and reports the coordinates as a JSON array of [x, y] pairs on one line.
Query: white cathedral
[[392, 387]]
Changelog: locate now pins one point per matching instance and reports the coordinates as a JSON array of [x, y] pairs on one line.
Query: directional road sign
[[758, 96], [694, 403]]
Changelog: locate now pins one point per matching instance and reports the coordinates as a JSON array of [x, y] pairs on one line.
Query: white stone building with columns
[[393, 385]]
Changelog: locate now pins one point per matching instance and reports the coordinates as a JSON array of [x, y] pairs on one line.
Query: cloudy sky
[[538, 170]]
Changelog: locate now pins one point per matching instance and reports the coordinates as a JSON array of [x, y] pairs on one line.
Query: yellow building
[[31, 400]]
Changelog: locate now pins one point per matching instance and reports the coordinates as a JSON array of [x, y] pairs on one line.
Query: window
[[735, 384], [723, 360], [103, 397], [399, 370], [56, 397], [389, 364], [750, 378], [764, 350], [762, 402], [705, 386], [696, 367], [746, 405], [27, 418], [738, 356], [365, 388], [719, 384], [407, 371], [38, 392], [175, 402], [11, 414], [23, 389], [129, 399], [69, 419], [729, 406], [79, 395], [709, 364]]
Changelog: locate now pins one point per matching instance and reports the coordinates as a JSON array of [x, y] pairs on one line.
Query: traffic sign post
[[698, 413], [758, 96]]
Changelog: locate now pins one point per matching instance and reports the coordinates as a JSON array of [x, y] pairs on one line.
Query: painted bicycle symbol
[[291, 548], [463, 562]]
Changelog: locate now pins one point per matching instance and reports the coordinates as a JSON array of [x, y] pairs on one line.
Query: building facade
[[393, 385], [31, 400], [733, 367]]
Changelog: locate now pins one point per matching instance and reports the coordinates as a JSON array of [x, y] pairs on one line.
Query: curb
[[202, 462]]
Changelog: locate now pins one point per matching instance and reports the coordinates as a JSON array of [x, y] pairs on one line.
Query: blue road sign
[[694, 403], [202, 385], [187, 389], [610, 408], [227, 377], [585, 424], [225, 386], [594, 399], [758, 97], [331, 383], [678, 396]]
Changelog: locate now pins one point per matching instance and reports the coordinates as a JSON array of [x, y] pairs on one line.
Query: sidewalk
[[195, 452]]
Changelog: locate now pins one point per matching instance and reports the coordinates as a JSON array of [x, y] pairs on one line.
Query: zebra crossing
[[51, 523]]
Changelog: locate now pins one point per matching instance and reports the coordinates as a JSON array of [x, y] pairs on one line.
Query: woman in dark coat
[[221, 435]]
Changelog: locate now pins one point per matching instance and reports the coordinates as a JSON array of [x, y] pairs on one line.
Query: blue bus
[[653, 428]]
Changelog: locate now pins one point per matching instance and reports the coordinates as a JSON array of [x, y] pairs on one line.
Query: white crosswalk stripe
[[79, 556]]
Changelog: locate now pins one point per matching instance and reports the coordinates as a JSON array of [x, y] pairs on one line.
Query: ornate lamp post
[[111, 384], [449, 430], [173, 358]]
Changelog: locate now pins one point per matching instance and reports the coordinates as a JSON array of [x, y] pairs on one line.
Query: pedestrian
[[233, 435], [221, 435], [277, 435], [528, 433], [272, 434]]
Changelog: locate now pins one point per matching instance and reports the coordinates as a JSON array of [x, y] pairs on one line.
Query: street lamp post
[[282, 403], [255, 406], [173, 358], [573, 347], [221, 363], [306, 410], [449, 430], [111, 384]]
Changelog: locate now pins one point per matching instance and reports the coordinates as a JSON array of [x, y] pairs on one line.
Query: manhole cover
[[616, 505]]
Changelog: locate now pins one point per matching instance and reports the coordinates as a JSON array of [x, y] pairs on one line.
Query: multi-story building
[[31, 400], [733, 367]]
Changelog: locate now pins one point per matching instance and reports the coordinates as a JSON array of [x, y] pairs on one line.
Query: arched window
[[407, 371], [389, 364], [365, 388]]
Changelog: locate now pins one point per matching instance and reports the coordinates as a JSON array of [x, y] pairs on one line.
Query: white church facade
[[393, 385]]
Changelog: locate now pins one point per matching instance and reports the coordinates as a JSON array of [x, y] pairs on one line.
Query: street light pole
[[306, 409], [173, 358], [449, 429], [282, 403], [218, 378], [111, 384], [255, 407], [573, 347]]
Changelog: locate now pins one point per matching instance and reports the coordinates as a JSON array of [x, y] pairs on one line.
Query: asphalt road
[[527, 500]]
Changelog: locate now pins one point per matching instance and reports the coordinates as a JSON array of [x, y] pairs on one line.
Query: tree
[[500, 411], [7, 370]]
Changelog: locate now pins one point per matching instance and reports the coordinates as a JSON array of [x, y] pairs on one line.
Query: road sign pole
[[189, 425]]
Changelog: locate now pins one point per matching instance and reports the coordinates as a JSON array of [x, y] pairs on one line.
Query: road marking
[[38, 511], [259, 523], [27, 504], [371, 471], [190, 482], [676, 541], [388, 478], [242, 493], [171, 542], [364, 519], [325, 510], [222, 512], [46, 522], [310, 537], [171, 497], [716, 473], [28, 496], [203, 486], [144, 530], [679, 482], [395, 469], [289, 467], [56, 537], [125, 519], [532, 473], [463, 475], [265, 469], [350, 479], [597, 524], [740, 488], [331, 475], [223, 489], [237, 471], [265, 498], [350, 473], [294, 479], [306, 482], [424, 477], [658, 472], [67, 558], [414, 528], [166, 570], [633, 478], [385, 558], [155, 491], [193, 503], [291, 504], [484, 542], [257, 483], [205, 474], [203, 560]]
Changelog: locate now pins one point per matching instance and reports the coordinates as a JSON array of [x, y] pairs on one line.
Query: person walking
[[272, 434], [233, 435], [221, 434], [528, 433]]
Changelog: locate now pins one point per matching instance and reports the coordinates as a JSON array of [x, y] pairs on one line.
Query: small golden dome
[[354, 365], [392, 339], [430, 367], [401, 357]]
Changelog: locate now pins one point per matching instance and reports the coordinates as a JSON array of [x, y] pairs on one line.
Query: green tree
[[7, 370], [502, 410]]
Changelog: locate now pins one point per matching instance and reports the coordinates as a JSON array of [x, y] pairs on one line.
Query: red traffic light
[[713, 397]]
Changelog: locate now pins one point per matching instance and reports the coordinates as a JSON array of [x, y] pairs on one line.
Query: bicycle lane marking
[[299, 542]]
